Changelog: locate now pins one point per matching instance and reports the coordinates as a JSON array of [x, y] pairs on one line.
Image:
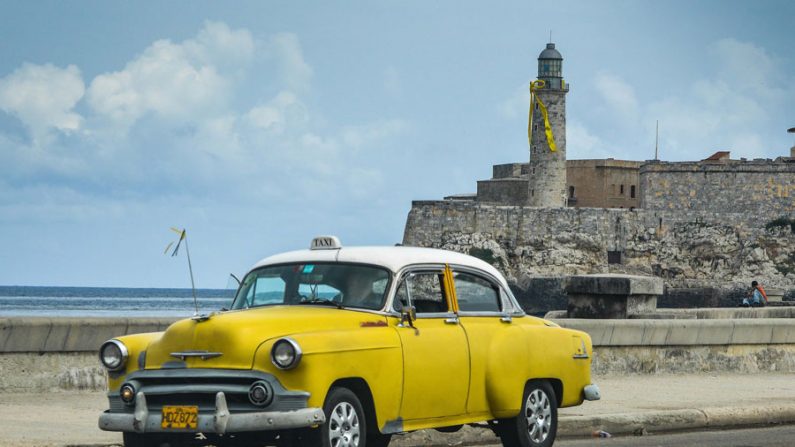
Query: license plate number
[[180, 417]]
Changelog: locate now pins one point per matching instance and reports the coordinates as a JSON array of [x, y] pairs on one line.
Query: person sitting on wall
[[756, 297]]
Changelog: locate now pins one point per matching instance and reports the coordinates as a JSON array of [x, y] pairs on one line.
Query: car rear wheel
[[536, 425]]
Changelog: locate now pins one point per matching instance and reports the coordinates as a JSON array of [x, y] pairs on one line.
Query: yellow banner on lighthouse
[[535, 85]]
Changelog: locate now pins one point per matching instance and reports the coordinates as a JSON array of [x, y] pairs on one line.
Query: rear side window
[[476, 294]]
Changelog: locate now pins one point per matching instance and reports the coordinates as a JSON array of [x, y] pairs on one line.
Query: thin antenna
[[657, 142], [550, 36], [183, 236], [192, 284]]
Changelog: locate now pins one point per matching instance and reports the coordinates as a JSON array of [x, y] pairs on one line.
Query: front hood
[[238, 334]]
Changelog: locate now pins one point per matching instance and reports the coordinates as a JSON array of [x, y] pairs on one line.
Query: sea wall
[[61, 353], [33, 362], [685, 249], [689, 346]]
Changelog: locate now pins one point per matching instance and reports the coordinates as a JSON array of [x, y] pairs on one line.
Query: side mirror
[[408, 315]]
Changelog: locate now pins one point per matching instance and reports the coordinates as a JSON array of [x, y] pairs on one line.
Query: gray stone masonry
[[765, 188], [685, 249], [612, 296], [547, 170]]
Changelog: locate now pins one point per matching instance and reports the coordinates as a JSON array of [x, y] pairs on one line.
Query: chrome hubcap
[[538, 413], [343, 426]]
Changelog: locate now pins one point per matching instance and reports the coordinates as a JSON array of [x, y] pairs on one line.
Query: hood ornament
[[204, 355]]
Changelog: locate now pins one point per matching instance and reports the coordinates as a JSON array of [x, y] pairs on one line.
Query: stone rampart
[[685, 249], [763, 188]]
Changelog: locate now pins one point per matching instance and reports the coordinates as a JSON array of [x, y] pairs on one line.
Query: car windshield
[[332, 284]]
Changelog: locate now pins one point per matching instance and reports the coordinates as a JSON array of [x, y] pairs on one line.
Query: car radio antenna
[[183, 236]]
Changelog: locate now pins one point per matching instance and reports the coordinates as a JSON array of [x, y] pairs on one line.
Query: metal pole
[[192, 284], [657, 142]]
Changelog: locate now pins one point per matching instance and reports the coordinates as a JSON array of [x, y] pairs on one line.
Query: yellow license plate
[[181, 416]]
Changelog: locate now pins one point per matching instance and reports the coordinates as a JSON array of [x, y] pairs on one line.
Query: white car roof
[[392, 258]]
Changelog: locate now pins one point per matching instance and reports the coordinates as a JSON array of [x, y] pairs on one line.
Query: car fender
[[330, 356], [136, 345], [535, 352]]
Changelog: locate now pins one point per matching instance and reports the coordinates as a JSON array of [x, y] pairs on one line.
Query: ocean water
[[108, 301]]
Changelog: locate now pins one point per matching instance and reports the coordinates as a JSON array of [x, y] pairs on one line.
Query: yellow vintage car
[[346, 346]]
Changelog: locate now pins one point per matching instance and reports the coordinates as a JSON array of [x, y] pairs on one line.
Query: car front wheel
[[345, 420], [537, 423]]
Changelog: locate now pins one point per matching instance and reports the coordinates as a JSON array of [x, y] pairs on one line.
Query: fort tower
[[547, 169]]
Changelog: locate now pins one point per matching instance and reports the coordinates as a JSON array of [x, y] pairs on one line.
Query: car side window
[[424, 291], [476, 294]]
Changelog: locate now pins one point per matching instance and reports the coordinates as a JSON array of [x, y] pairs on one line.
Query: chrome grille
[[199, 387]]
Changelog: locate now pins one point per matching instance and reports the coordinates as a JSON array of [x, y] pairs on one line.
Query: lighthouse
[[547, 169]]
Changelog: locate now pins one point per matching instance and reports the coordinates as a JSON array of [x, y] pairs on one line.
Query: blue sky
[[258, 125]]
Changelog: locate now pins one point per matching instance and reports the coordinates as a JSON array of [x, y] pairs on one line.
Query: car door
[[435, 351], [484, 314]]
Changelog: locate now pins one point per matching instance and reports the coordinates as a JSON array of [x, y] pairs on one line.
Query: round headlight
[[286, 354], [113, 355]]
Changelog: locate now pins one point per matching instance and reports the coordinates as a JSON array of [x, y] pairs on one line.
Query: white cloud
[[295, 71], [730, 108], [284, 110], [177, 82], [357, 137], [183, 120], [43, 98], [517, 105], [580, 143], [618, 95]]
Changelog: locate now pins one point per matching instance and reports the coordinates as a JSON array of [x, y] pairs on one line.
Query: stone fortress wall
[[711, 223], [687, 249], [764, 188]]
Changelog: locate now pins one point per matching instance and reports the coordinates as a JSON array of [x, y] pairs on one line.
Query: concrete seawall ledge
[[709, 313], [37, 334], [604, 333]]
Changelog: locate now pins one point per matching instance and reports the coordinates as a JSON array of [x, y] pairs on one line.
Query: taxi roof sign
[[325, 243]]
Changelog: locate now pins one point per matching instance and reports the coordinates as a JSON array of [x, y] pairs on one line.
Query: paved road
[[779, 436], [60, 419]]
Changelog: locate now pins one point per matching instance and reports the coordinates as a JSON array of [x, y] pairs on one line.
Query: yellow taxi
[[346, 346]]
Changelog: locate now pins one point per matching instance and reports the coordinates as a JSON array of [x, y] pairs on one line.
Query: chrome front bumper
[[220, 421]]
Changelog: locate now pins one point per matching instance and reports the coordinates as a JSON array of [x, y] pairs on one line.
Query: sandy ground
[[70, 418]]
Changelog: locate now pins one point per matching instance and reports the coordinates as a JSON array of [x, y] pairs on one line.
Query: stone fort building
[[716, 222]]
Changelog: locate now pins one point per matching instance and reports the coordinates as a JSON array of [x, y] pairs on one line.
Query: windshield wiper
[[321, 301]]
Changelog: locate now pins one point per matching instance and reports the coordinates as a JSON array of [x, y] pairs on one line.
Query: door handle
[[453, 320]]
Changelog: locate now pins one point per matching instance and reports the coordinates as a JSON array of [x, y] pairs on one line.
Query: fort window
[[622, 190], [571, 192], [632, 191], [613, 257]]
